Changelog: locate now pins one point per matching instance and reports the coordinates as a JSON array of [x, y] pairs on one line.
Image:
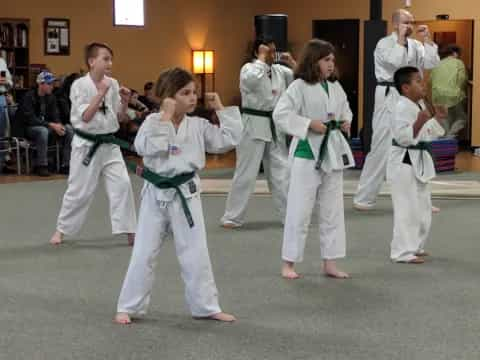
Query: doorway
[[459, 32], [344, 35]]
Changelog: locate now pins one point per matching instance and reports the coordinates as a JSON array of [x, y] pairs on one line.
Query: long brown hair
[[170, 81], [307, 68]]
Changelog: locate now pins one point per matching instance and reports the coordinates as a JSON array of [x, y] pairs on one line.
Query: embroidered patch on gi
[[174, 149], [192, 187], [345, 159]]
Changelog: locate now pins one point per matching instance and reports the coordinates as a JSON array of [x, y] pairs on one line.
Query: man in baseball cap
[[40, 116]]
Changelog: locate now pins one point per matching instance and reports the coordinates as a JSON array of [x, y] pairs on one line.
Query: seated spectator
[[39, 113], [63, 98], [449, 88], [5, 84], [137, 112], [148, 98]]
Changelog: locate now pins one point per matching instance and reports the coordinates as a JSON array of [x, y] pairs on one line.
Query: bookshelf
[[14, 37]]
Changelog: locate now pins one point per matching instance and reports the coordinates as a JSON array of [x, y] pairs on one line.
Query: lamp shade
[[203, 62]]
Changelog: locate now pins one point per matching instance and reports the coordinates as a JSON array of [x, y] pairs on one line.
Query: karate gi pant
[[250, 153], [309, 189], [375, 166], [156, 220], [82, 183], [412, 213]]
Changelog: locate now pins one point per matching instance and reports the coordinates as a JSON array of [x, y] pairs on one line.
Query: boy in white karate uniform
[[410, 167], [98, 104], [315, 110], [173, 147], [261, 84]]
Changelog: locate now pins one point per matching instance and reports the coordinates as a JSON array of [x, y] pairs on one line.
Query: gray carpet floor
[[57, 303]]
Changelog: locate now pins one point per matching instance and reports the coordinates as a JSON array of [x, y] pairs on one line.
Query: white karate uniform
[[412, 207], [168, 153], [389, 57], [259, 92], [107, 163], [309, 188]]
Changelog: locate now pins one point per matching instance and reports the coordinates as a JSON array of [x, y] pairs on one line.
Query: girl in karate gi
[[410, 167], [173, 147], [315, 110], [98, 104]]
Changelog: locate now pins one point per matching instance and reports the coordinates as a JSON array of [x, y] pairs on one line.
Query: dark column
[[374, 30]]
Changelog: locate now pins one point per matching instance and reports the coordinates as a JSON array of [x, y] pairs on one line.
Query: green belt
[[331, 125], [99, 139], [163, 182], [422, 145], [262, 113]]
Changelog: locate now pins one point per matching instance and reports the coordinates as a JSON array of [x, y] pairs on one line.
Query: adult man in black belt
[[392, 53]]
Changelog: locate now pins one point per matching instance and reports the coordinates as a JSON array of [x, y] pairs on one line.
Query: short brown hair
[[171, 81], [91, 50], [307, 68]]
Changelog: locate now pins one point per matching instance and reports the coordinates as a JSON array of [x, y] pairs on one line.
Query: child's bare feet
[[221, 316], [57, 238], [435, 210], [288, 271], [416, 261], [131, 239], [330, 269], [122, 319], [422, 254], [230, 225]]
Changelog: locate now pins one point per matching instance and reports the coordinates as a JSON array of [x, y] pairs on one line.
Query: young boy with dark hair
[[411, 166]]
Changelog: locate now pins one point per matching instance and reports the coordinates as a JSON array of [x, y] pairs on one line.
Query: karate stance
[[98, 104], [261, 85], [173, 147], [392, 52], [315, 110], [410, 167]]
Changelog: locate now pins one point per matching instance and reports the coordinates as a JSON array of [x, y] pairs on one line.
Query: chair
[[28, 146], [12, 143]]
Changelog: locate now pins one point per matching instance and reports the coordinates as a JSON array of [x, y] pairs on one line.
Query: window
[[128, 12]]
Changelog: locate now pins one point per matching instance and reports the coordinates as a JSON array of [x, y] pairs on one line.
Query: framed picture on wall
[[57, 36]]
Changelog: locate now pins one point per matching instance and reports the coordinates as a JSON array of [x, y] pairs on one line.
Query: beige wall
[[172, 29]]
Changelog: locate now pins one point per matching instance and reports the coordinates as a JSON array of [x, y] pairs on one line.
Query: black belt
[[422, 146], [331, 125], [388, 84], [262, 113]]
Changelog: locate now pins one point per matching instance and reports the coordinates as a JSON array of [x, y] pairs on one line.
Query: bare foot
[[363, 207], [288, 271], [422, 254], [131, 239], [221, 316], [435, 210], [122, 319], [57, 238], [230, 225], [416, 261], [330, 270]]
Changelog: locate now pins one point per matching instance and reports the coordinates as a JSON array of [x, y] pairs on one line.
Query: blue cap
[[45, 77]]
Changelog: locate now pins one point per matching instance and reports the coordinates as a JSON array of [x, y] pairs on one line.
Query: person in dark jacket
[[63, 98], [42, 123]]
